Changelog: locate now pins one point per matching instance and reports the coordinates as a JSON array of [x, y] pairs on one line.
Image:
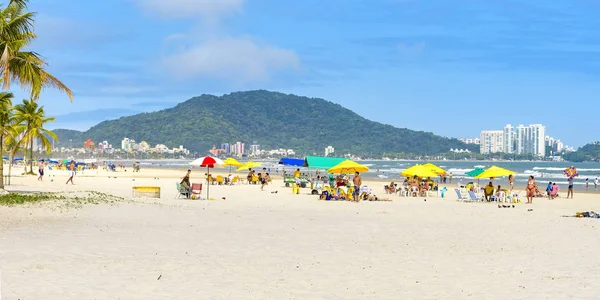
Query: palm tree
[[31, 119], [7, 127], [25, 67]]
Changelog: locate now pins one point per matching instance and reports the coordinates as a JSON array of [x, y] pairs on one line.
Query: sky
[[452, 67]]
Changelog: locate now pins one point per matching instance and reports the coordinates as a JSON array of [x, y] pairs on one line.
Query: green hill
[[272, 120], [589, 152]]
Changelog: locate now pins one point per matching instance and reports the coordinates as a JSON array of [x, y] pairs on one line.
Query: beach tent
[[296, 162], [320, 162], [348, 166]]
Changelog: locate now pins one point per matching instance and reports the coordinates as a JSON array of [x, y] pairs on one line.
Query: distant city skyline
[[531, 139]]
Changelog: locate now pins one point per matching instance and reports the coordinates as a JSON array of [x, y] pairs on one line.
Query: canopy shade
[[421, 171], [322, 162], [207, 161], [232, 162], [475, 172], [495, 171], [435, 168], [348, 166], [249, 165], [296, 162]]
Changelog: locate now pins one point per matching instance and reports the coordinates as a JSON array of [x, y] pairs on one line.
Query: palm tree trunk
[[31, 156], [2, 164]]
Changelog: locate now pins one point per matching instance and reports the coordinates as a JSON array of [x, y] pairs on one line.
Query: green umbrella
[[66, 161], [475, 172]]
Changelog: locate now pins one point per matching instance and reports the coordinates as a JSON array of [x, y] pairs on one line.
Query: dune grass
[[87, 197]]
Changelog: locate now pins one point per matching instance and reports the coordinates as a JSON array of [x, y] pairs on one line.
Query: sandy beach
[[264, 245]]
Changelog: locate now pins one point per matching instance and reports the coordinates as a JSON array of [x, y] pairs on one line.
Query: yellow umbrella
[[421, 171], [231, 162], [348, 166], [435, 168], [249, 165], [494, 171]]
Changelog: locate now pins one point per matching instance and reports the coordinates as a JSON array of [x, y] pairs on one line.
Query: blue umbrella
[[18, 159]]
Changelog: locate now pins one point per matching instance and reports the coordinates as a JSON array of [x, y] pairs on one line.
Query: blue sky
[[446, 66]]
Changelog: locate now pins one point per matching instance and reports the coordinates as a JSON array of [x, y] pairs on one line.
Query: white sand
[[259, 245]]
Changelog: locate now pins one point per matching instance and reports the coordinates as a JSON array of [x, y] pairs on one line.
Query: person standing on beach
[[357, 183], [531, 186], [596, 183], [511, 182], [41, 170], [549, 189], [570, 189], [71, 172], [587, 184], [450, 177]]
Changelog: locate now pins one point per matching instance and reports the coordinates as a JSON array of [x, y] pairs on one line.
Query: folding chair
[[196, 190], [181, 191], [460, 196]]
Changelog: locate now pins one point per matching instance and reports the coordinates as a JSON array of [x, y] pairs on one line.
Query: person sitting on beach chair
[[489, 191]]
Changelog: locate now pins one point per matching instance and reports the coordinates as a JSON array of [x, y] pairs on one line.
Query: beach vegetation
[[31, 119], [71, 199], [589, 152], [7, 127]]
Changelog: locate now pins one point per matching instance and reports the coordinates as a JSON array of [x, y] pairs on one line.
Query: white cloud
[[239, 59], [178, 9]]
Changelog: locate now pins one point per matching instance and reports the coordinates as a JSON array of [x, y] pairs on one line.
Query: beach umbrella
[[348, 166], [231, 162], [249, 165], [420, 171], [435, 168], [205, 162], [495, 171], [475, 172], [571, 172]]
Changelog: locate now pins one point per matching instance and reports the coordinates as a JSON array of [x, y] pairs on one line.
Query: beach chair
[[235, 180], [254, 179], [196, 190], [181, 191], [460, 195], [220, 180], [473, 197]]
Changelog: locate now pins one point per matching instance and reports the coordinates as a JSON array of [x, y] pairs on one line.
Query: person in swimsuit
[[531, 185], [570, 189], [357, 183], [41, 170], [511, 182]]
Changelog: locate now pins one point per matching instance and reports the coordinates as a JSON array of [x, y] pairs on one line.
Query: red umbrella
[[208, 162]]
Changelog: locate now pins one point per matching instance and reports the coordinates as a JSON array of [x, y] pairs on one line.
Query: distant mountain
[[589, 152], [272, 120]]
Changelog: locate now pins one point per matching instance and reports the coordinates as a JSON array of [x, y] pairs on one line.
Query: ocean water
[[543, 172]]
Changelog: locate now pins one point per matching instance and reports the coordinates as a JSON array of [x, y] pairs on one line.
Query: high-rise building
[[522, 139], [509, 139], [492, 141], [254, 149], [225, 146], [537, 135]]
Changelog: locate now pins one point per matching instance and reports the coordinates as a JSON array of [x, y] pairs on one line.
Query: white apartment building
[[492, 141], [518, 140]]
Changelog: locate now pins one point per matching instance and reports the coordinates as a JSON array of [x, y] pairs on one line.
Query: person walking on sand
[[41, 170], [531, 186], [570, 189], [71, 172], [264, 181], [357, 183]]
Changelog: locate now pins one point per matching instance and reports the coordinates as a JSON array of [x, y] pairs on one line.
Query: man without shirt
[[357, 183]]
